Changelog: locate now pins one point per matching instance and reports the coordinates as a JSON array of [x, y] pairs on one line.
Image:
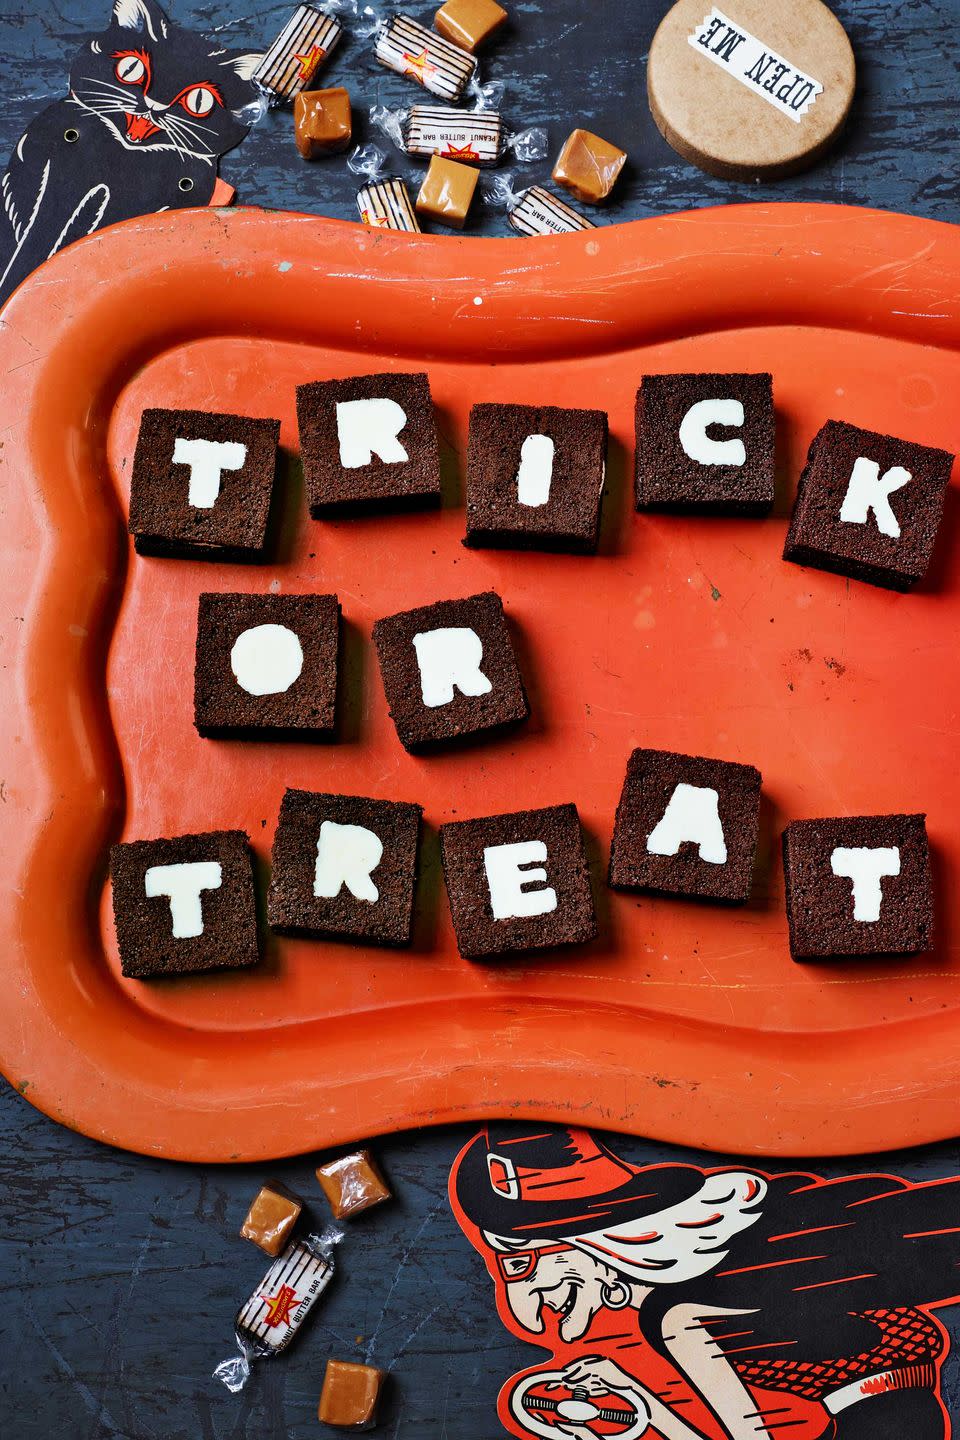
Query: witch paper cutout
[[151, 109], [725, 1304]]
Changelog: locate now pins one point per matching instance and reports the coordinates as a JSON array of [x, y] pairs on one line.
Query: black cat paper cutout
[[151, 109]]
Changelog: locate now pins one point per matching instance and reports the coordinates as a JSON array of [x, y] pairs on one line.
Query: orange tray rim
[[856, 268]]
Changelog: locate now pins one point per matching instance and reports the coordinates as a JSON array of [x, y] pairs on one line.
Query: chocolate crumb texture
[[267, 665], [449, 672], [705, 444], [202, 484], [185, 905], [368, 441], [518, 883], [686, 826], [535, 477], [868, 506], [859, 885], [344, 868]]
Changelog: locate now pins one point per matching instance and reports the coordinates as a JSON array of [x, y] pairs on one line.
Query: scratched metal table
[[120, 1275]]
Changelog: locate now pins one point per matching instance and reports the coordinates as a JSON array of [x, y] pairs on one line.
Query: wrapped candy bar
[[411, 49], [474, 137], [269, 1320], [304, 43], [384, 201], [535, 211], [386, 205]]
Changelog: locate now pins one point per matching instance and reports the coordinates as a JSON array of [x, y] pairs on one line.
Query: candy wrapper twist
[[304, 44], [474, 137], [268, 1321], [383, 201], [535, 210]]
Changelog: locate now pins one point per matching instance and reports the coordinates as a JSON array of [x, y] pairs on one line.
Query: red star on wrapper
[[280, 1306], [310, 63], [418, 67], [380, 221], [460, 152]]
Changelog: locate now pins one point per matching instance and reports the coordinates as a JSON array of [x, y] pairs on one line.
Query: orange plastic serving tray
[[686, 1023]]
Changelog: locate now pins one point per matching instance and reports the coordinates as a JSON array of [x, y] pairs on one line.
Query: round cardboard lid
[[754, 90]]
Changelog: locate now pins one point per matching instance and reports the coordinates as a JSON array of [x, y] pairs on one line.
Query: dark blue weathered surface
[[120, 1275], [566, 63]]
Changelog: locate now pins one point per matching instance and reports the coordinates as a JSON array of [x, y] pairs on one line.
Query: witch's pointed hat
[[546, 1182]]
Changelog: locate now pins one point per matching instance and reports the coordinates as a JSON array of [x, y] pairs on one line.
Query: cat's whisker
[[98, 110], [187, 144], [118, 90], [121, 94], [173, 140], [188, 135], [111, 84], [173, 128], [190, 125], [110, 117], [198, 145], [103, 107], [189, 150], [89, 97], [96, 102], [91, 82]]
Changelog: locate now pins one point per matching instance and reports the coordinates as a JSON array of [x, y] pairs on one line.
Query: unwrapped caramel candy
[[447, 191], [350, 1395], [352, 1183], [469, 23], [588, 166], [271, 1218], [322, 123]]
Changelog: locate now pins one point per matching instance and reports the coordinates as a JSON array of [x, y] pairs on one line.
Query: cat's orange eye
[[199, 99], [132, 67]]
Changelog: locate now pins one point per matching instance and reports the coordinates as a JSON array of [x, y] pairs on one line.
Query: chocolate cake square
[[518, 883], [686, 826], [535, 477], [266, 665], [705, 443], [202, 484], [449, 671], [344, 868], [858, 886], [185, 905], [868, 506], [370, 440]]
